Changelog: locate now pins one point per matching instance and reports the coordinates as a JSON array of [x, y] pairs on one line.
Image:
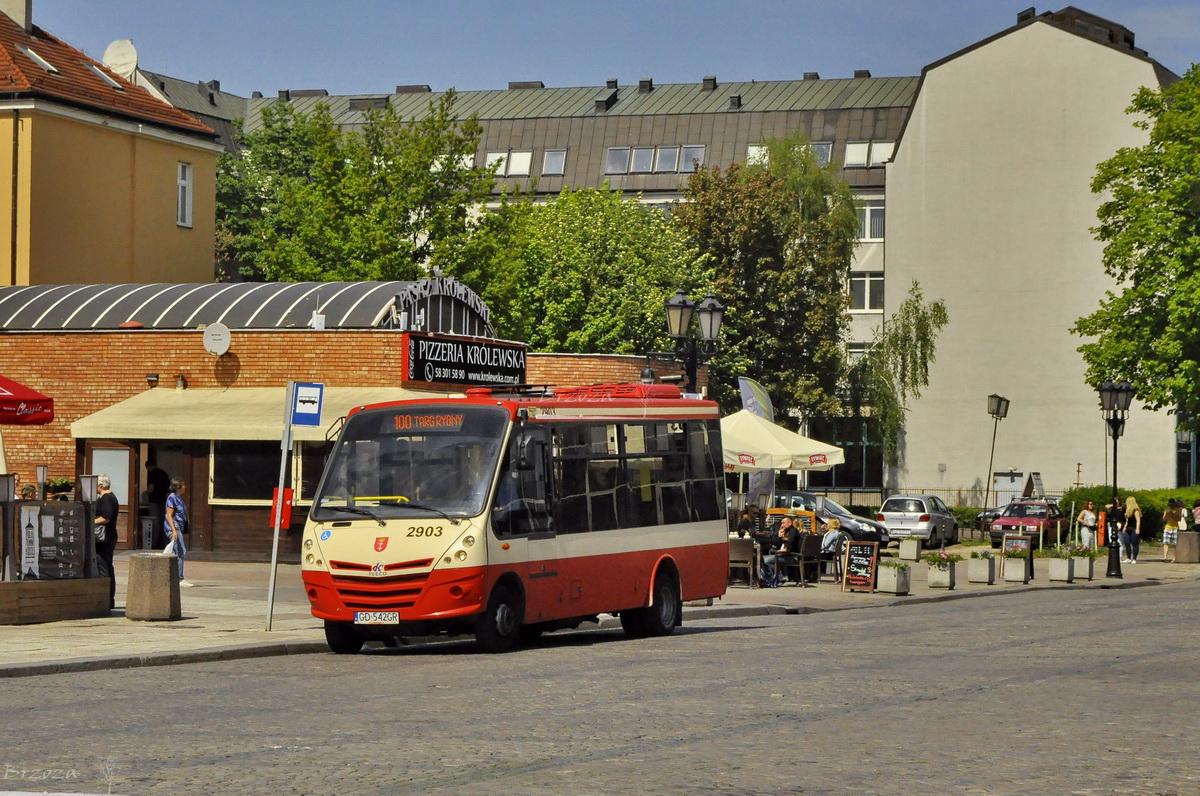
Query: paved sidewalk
[[224, 615]]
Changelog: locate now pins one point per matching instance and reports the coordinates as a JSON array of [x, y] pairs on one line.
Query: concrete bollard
[[910, 549], [152, 592]]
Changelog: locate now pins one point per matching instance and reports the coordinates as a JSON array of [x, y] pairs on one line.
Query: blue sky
[[370, 46]]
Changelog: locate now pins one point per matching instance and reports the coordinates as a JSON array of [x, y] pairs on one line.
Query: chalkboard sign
[[859, 572], [1020, 543]]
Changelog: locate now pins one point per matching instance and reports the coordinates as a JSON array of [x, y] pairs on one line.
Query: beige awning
[[243, 413]]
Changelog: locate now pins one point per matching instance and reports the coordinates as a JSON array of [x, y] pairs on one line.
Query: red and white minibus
[[507, 515]]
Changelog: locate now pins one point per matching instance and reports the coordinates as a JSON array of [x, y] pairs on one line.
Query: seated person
[[833, 535], [786, 545], [749, 521]]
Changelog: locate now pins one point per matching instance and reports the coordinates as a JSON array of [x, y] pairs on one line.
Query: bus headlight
[[468, 541], [310, 558], [461, 555], [308, 543]]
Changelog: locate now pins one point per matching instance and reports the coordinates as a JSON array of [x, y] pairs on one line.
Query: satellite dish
[[121, 57], [216, 339]]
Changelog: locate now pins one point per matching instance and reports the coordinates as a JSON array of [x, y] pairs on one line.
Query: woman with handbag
[[105, 528], [175, 524]]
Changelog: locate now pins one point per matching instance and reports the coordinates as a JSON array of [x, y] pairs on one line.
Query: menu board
[[53, 540], [862, 558], [1021, 543]]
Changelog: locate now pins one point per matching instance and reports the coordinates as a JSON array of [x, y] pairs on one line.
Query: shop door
[[116, 461]]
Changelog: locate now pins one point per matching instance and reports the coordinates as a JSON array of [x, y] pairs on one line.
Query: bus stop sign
[[306, 408]]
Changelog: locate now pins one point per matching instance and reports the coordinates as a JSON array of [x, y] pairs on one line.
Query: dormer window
[[37, 59], [100, 73]]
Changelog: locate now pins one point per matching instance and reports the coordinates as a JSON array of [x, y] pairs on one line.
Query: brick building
[[133, 381]]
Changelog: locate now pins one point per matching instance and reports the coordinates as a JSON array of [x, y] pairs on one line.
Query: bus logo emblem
[[381, 544]]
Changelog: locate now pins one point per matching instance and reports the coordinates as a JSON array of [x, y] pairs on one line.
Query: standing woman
[[1087, 523], [1132, 532], [176, 523], [1171, 518], [105, 528]]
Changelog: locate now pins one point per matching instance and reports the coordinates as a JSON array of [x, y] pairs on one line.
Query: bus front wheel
[[500, 625], [343, 638]]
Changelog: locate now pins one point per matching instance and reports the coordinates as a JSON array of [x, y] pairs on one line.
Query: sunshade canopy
[[19, 405], [755, 443], [247, 413]]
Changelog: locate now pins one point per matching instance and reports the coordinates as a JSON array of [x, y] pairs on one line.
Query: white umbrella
[[755, 443]]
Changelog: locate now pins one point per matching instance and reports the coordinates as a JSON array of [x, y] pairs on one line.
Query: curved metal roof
[[238, 305]]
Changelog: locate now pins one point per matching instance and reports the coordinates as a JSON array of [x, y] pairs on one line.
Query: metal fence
[[874, 497]]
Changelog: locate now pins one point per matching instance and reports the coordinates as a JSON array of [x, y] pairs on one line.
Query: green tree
[[781, 237], [1148, 331], [303, 200], [586, 272], [896, 367]]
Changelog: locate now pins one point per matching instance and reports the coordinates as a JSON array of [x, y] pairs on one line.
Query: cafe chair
[[743, 554], [808, 555]]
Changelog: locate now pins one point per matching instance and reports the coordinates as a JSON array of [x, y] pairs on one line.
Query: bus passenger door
[[521, 514]]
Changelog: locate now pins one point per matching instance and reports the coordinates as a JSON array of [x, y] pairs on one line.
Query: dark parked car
[[859, 528], [1040, 517], [985, 518]]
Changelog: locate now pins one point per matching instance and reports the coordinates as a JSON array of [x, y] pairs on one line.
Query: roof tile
[[75, 83]]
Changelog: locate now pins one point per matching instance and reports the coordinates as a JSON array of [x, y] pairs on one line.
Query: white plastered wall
[[989, 206]]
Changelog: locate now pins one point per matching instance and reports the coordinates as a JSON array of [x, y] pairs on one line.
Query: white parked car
[[923, 517]]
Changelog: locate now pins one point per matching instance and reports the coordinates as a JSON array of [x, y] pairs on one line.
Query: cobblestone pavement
[[1072, 691]]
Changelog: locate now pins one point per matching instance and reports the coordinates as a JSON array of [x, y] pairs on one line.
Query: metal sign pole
[[277, 520]]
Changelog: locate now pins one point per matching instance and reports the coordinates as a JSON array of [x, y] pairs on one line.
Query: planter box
[[941, 576], [30, 601], [1062, 569], [893, 580], [1187, 550], [1085, 567], [981, 570], [1015, 570], [910, 549]]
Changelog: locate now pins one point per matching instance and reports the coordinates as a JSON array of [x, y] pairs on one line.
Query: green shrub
[[965, 516]]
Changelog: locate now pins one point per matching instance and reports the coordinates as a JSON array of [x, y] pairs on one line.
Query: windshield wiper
[[357, 510], [411, 505]]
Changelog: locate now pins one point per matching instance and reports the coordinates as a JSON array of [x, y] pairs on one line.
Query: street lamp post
[[1114, 404], [689, 351], [998, 409]]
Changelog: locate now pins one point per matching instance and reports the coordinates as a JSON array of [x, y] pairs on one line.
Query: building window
[[856, 351], [513, 163], [643, 160], [617, 161], [37, 59], [554, 161], [866, 291], [857, 154], [822, 150], [666, 159], [244, 471], [183, 204], [519, 162], [881, 152], [692, 158], [757, 155], [870, 220]]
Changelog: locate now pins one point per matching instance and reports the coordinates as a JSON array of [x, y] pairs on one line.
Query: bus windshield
[[411, 461]]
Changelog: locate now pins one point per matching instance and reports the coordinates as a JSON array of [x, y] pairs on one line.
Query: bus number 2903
[[420, 530]]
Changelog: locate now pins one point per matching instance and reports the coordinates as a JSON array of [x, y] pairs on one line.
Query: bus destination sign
[[431, 359], [443, 421]]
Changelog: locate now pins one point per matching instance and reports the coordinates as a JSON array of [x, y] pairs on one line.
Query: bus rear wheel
[[499, 626], [343, 638], [662, 617]]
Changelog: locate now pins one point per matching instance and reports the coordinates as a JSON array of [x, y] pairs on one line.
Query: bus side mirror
[[526, 452]]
